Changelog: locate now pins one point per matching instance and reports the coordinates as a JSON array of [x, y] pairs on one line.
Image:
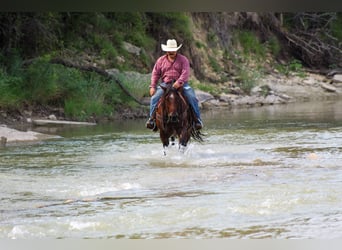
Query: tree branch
[[97, 70]]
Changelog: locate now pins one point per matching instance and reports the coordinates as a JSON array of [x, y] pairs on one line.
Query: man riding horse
[[172, 68]]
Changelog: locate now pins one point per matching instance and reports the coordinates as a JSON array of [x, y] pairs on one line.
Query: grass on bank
[[80, 94]]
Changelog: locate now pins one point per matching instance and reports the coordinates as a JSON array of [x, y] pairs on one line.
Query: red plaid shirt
[[167, 71]]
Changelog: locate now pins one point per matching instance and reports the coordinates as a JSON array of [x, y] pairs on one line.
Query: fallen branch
[[310, 40], [327, 72], [53, 122]]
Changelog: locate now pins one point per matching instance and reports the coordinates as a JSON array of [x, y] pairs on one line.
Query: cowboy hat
[[171, 45]]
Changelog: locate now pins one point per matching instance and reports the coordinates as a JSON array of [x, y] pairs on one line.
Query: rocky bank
[[275, 89]]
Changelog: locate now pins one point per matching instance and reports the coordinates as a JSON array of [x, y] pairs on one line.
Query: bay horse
[[175, 118]]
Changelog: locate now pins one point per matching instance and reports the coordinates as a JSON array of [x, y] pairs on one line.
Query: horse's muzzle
[[172, 118]]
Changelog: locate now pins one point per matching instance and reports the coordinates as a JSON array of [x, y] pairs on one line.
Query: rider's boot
[[198, 124], [150, 124]]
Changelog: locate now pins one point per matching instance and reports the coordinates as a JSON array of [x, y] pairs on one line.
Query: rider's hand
[[176, 85], [152, 91]]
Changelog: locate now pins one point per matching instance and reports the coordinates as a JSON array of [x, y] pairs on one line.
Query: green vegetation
[[293, 67], [214, 64], [210, 88], [248, 78], [11, 93], [336, 27], [251, 44], [80, 94], [274, 46], [170, 25], [83, 37], [253, 53]]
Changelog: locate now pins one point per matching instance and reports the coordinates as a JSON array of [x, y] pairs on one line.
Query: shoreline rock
[[10, 136]]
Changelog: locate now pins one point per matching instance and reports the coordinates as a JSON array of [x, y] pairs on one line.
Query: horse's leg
[[172, 140], [165, 145], [184, 138], [165, 140], [182, 149], [181, 144]]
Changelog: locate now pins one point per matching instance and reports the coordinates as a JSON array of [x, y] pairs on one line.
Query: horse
[[175, 119]]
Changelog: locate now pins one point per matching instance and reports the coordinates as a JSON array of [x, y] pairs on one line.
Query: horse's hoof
[[182, 149]]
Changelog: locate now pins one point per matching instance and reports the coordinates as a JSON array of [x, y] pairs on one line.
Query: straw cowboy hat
[[171, 45]]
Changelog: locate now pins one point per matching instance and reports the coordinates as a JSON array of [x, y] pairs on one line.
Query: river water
[[267, 172]]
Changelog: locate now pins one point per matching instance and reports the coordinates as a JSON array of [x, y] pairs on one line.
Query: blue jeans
[[189, 94]]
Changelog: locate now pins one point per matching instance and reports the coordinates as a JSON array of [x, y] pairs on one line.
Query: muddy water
[[269, 172]]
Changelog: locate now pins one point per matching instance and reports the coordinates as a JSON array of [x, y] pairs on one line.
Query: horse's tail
[[195, 134]]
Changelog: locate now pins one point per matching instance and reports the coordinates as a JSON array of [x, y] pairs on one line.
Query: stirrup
[[155, 128], [150, 124]]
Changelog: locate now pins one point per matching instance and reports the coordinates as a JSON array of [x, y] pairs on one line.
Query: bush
[[210, 88], [40, 83], [88, 98], [251, 44], [11, 92], [274, 46], [292, 67], [248, 78], [214, 64], [168, 24]]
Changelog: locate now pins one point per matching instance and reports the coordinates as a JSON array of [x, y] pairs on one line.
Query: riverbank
[[277, 89], [271, 90]]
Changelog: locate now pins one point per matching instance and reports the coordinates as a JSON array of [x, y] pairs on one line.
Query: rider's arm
[[156, 74], [184, 74]]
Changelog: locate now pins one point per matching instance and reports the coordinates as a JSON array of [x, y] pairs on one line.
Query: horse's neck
[[178, 99]]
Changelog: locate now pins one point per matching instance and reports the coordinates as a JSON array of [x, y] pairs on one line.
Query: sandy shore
[[10, 135]]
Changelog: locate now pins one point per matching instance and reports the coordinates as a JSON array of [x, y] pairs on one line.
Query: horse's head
[[172, 102]]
